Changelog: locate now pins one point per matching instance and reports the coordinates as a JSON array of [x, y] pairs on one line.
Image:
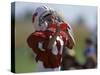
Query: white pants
[[41, 68]]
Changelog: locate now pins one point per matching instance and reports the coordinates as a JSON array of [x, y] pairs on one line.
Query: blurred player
[[90, 54]]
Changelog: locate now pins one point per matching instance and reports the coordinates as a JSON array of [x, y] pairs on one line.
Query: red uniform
[[39, 40]]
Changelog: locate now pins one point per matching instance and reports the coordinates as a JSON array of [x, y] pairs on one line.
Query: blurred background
[[83, 20]]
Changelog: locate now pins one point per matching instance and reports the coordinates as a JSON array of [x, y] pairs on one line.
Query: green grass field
[[24, 60], [23, 54]]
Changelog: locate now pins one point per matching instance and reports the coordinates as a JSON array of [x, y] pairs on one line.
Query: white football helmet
[[38, 17]]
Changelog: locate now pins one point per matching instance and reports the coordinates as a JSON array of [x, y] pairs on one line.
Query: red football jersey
[[39, 41]]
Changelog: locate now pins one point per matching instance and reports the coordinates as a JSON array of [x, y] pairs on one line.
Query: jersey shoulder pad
[[38, 34]]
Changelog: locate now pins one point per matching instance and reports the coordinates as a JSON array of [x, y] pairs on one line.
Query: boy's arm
[[70, 42], [53, 39]]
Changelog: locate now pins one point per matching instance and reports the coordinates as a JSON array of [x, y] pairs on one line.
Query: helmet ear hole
[[35, 14], [33, 17]]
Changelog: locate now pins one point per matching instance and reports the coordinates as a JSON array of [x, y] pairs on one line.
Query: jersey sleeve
[[33, 41]]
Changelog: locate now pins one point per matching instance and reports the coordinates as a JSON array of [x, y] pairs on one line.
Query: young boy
[[49, 38]]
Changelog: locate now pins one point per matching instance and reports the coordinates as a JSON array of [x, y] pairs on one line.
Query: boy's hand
[[58, 29]]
